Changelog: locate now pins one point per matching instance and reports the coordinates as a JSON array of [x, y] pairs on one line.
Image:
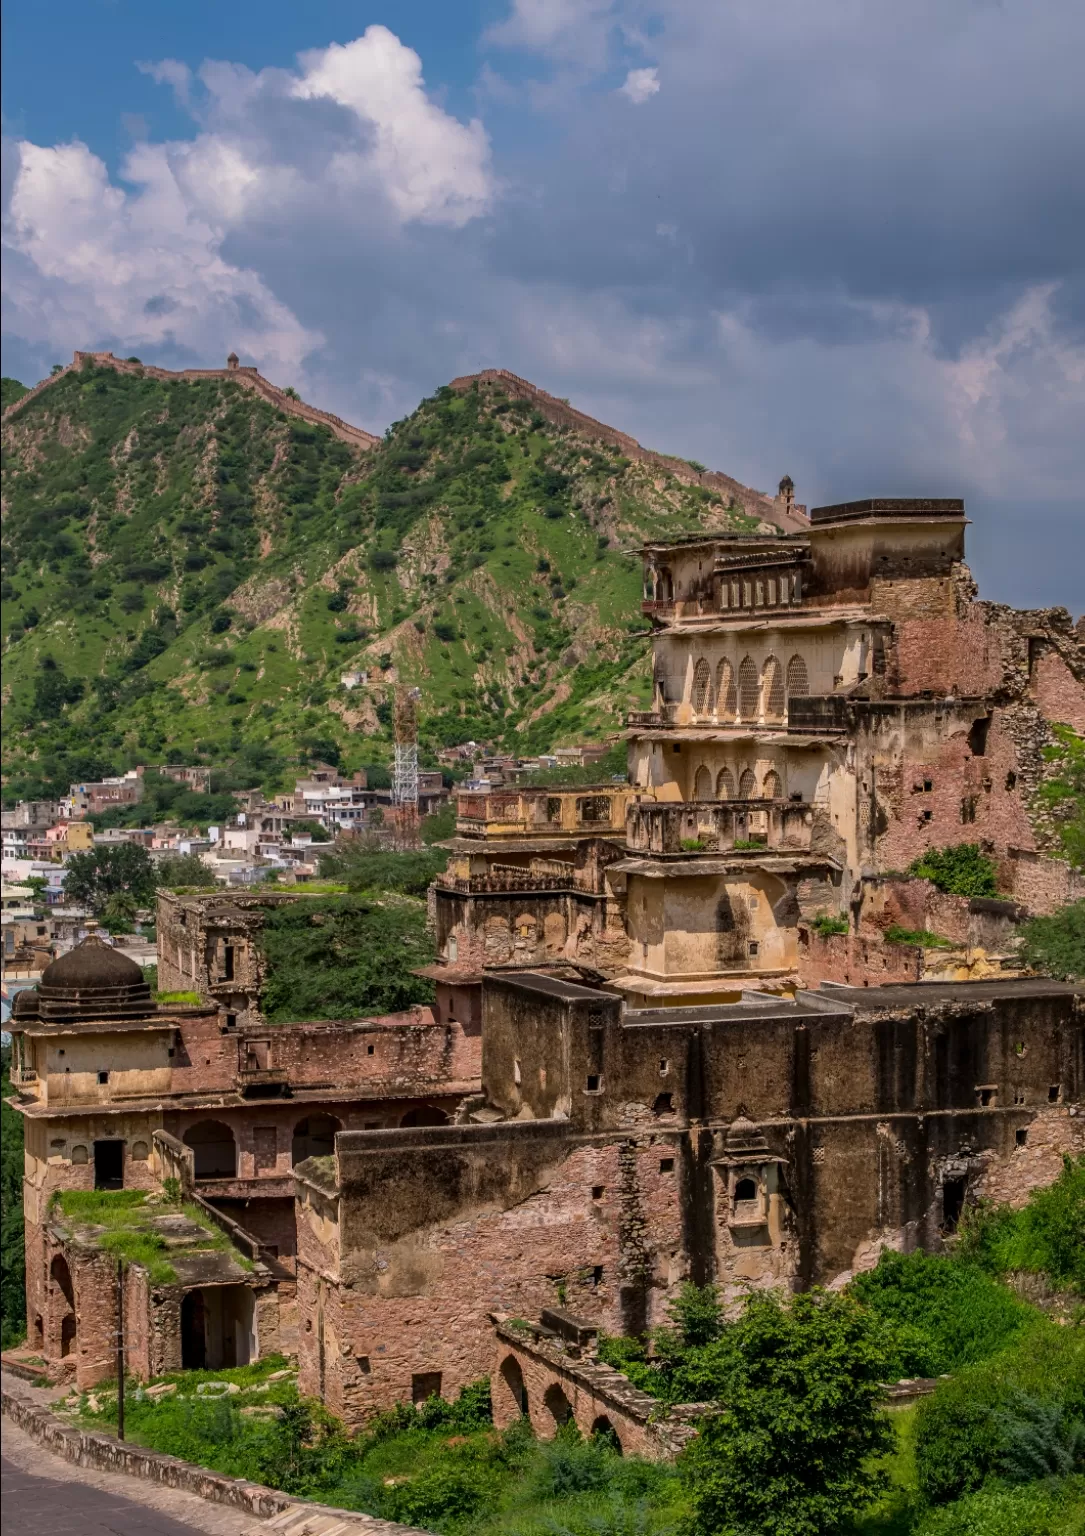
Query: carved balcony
[[719, 827]]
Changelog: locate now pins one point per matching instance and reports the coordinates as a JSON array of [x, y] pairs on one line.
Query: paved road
[[33, 1505]]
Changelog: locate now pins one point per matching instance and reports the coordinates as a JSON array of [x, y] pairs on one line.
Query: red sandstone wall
[[423, 1305]]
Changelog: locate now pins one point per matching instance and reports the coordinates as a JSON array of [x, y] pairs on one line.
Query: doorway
[[109, 1165]]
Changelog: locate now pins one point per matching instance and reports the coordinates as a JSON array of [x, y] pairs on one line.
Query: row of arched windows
[[751, 694], [745, 788]]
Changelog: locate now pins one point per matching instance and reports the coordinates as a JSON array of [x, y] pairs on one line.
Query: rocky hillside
[[188, 567]]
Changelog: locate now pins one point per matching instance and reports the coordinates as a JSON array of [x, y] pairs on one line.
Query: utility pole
[[405, 765], [120, 1348]]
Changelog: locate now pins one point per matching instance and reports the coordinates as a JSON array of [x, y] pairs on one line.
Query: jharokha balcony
[[719, 826]]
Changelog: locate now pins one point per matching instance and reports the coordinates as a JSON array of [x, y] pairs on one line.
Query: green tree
[[961, 870], [91, 878], [184, 869], [789, 1452], [1055, 945]]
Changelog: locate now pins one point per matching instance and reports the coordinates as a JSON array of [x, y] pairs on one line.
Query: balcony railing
[[496, 883], [539, 812], [719, 826]]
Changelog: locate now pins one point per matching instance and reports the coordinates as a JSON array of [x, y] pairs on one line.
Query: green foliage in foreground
[[985, 1422], [12, 1257], [942, 1314], [918, 938], [1046, 1237], [344, 957], [961, 870], [1038, 1509], [1055, 945], [441, 1466]]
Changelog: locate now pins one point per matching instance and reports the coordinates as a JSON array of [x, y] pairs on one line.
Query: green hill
[[188, 569]]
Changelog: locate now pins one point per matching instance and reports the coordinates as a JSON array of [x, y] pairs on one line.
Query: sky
[[843, 241]]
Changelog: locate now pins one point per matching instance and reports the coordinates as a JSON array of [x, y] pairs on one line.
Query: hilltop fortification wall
[[757, 504], [248, 378]]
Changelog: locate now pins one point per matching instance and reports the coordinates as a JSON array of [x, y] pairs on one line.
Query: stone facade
[[618, 1152]]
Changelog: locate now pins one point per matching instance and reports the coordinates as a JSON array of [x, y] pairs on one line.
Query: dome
[[25, 1005], [91, 964], [93, 981]]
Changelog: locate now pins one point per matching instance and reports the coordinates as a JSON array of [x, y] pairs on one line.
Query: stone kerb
[[539, 1375], [105, 1453]]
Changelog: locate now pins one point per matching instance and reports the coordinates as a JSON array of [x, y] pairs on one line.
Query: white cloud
[[640, 85], [87, 263], [431, 166], [170, 72]]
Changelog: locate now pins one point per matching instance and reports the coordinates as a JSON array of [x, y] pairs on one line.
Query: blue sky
[[843, 241]]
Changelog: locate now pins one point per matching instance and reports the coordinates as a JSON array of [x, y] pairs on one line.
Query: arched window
[[798, 681], [747, 785], [726, 696], [702, 784], [664, 587], [772, 689], [61, 1277], [745, 1189], [314, 1137], [425, 1114], [772, 788], [557, 1405], [214, 1149], [725, 785], [748, 689], [659, 683], [701, 697]]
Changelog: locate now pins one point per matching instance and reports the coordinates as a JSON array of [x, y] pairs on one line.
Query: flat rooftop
[[888, 507], [927, 994]]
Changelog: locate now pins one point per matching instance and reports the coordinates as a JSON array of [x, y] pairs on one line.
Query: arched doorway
[[557, 1405], [425, 1114], [193, 1331], [214, 1149], [314, 1137], [64, 1302], [604, 1432], [513, 1378], [702, 784]]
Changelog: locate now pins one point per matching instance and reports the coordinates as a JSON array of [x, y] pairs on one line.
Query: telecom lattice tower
[[405, 764]]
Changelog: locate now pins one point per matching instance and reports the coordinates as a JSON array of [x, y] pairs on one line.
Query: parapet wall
[[248, 378], [754, 503]]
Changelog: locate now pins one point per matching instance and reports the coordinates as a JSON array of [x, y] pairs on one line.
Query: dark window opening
[[1011, 780], [424, 1385], [593, 1082], [986, 1097], [953, 1193], [666, 1165], [928, 785], [664, 1068], [103, 1077], [109, 1165], [598, 1191], [968, 808], [753, 947], [977, 736], [228, 963], [1054, 1093], [664, 1104], [231, 1021], [927, 816], [363, 1364], [597, 1275], [676, 749], [745, 1189], [1021, 1136], [369, 1050]]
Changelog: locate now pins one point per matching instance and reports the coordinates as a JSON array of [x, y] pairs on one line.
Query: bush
[[961, 870], [1055, 945], [1046, 1237], [965, 1431], [1002, 1511], [943, 1314]]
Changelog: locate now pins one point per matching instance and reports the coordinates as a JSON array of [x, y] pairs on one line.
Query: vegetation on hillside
[[185, 569], [961, 870], [1055, 945], [12, 1259]]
